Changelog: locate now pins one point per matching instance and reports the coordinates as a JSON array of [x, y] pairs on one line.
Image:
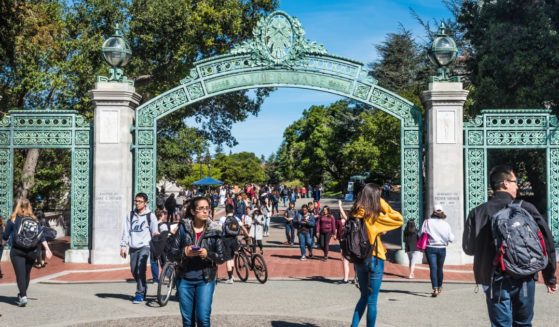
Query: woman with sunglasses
[[202, 246]]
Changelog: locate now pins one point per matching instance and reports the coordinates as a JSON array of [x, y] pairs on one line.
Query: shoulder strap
[[515, 204], [131, 216]]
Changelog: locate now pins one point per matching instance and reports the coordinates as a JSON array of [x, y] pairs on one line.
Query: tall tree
[[514, 61], [50, 55]]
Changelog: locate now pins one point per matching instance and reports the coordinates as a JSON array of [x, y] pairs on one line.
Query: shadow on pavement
[[9, 300], [420, 294], [114, 296], [277, 323], [285, 256], [319, 279]]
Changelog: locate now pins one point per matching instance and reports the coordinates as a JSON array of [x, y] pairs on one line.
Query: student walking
[[289, 215], [25, 233], [325, 228], [202, 245], [410, 245], [138, 228], [378, 217], [257, 230], [440, 235], [304, 224], [509, 296], [339, 228]]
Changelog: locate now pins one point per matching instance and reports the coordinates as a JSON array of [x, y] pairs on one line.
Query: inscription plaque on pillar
[[109, 126], [446, 126]]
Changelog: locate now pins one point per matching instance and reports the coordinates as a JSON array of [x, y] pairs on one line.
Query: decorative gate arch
[[280, 56], [57, 129], [512, 129]]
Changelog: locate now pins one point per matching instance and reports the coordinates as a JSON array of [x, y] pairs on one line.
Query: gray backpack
[[520, 245]]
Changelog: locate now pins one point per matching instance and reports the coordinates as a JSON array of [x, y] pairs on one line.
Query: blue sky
[[347, 28]]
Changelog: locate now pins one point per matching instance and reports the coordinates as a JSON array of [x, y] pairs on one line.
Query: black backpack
[[354, 241], [521, 250], [231, 226], [28, 234]]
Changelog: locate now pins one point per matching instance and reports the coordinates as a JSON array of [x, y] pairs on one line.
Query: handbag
[[422, 241]]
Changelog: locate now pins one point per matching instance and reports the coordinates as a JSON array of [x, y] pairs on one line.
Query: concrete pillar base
[[76, 256], [100, 257]]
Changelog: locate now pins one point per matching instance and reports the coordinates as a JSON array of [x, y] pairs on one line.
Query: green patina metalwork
[[280, 56], [25, 129], [511, 129]]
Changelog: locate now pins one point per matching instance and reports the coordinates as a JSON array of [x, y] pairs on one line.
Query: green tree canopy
[[239, 168]]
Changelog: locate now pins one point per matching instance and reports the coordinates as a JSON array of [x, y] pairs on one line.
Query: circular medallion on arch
[[279, 36]]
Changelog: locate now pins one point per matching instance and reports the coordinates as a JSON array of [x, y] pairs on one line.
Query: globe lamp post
[[117, 53], [443, 53]]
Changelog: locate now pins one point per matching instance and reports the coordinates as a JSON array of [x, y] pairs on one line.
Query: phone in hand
[[195, 248]]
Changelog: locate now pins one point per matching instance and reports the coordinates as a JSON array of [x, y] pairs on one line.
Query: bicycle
[[247, 260], [167, 282]]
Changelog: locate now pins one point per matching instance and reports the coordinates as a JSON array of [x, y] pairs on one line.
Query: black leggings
[[259, 242], [325, 242], [23, 263]]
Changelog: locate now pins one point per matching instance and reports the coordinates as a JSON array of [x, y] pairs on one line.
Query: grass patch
[[332, 194]]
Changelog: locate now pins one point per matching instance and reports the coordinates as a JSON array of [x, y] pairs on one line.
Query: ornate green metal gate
[[280, 56], [511, 129], [24, 129]]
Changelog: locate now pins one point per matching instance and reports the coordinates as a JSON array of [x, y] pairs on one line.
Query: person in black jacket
[[23, 258], [510, 301], [200, 239]]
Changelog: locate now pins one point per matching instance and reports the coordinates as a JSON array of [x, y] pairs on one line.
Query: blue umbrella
[[207, 181]]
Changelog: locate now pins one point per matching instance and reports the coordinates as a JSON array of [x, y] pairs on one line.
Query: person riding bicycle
[[231, 228]]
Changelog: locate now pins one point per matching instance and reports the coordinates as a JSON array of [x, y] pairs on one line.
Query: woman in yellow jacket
[[379, 218]]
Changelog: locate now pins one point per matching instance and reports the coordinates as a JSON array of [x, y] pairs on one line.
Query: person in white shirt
[[440, 235]]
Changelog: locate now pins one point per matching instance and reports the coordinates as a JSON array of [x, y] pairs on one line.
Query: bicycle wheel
[[241, 266], [259, 267], [166, 284]]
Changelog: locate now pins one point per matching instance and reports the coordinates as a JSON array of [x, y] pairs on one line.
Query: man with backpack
[[138, 228], [231, 228], [511, 243]]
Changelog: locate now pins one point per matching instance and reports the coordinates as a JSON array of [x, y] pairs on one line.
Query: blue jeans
[[138, 266], [512, 302], [305, 239], [154, 264], [195, 301], [290, 233], [285, 200], [435, 258], [369, 276]]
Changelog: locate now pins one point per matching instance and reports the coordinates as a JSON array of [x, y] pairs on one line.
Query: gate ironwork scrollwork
[[511, 129], [278, 55], [57, 129]]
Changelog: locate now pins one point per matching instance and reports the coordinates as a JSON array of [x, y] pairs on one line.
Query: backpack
[[231, 226], [354, 241], [28, 234], [521, 250]]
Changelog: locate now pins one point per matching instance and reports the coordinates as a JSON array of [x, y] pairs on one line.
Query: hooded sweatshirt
[[387, 220], [136, 233]]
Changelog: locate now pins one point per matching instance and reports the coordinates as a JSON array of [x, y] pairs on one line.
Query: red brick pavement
[[283, 263]]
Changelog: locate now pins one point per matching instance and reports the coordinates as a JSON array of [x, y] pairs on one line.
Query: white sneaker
[[229, 281], [21, 301]]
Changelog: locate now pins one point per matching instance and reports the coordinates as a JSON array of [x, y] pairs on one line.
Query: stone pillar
[[112, 167], [444, 103]]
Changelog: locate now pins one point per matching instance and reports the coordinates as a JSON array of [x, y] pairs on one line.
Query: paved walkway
[[277, 303]]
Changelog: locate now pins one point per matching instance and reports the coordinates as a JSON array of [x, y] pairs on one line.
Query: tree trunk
[[28, 173]]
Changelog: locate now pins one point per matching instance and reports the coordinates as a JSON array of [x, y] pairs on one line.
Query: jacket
[[478, 240], [211, 241], [304, 223], [387, 220], [326, 224]]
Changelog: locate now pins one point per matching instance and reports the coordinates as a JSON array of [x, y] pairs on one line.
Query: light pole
[[442, 53], [117, 53]]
